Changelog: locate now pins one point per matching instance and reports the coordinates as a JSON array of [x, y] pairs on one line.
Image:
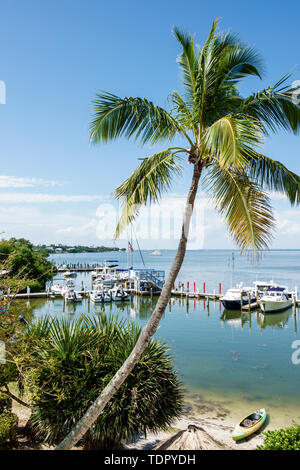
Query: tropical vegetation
[[8, 421], [65, 363], [20, 260], [220, 133], [282, 439]]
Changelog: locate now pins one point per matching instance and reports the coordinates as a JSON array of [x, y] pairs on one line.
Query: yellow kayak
[[249, 425]]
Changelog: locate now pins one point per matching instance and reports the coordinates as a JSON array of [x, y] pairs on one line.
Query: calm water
[[243, 360]]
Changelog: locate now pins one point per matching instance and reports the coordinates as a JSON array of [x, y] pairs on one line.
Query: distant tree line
[[50, 249]]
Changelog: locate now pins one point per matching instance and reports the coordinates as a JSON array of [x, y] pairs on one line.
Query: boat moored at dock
[[275, 301], [118, 294], [236, 297]]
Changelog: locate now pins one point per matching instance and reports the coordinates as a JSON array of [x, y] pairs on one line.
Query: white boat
[[56, 288], [156, 253], [70, 274], [275, 301], [118, 294], [72, 296], [96, 297], [238, 296]]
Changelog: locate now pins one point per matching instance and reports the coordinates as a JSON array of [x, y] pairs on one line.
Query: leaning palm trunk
[[119, 378]]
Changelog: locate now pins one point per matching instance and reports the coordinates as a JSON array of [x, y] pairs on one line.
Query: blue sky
[[55, 55]]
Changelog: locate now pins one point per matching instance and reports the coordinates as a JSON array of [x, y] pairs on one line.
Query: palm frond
[[244, 205], [146, 184], [231, 138], [187, 61], [275, 107], [273, 175], [182, 113], [115, 117]]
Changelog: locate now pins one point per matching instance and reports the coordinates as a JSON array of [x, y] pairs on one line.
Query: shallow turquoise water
[[241, 357]]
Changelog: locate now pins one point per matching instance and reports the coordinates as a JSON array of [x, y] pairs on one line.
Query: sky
[[55, 187]]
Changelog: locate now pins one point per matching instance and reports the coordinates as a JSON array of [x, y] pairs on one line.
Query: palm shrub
[[282, 439], [70, 361]]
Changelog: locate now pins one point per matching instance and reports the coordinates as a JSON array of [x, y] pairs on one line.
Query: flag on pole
[[130, 247]]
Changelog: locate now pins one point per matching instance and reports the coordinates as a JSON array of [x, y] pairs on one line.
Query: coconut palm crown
[[223, 131]]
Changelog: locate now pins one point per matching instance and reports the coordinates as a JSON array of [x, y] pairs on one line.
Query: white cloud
[[84, 229], [16, 182], [16, 198]]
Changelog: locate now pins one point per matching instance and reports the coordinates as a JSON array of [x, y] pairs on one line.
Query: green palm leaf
[[275, 107], [273, 175], [115, 117], [187, 61], [146, 184], [231, 138], [245, 206]]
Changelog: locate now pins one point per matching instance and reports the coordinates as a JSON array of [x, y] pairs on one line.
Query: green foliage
[[67, 363], [8, 428], [5, 403], [282, 439], [23, 262], [220, 127]]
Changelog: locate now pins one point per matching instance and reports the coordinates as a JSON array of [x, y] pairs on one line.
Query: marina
[[239, 359]]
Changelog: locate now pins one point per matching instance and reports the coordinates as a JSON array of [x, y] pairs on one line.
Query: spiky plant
[[224, 133], [71, 361]]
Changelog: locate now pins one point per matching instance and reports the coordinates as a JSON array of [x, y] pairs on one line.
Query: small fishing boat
[[275, 301], [118, 294], [56, 288], [96, 297], [72, 296], [249, 425]]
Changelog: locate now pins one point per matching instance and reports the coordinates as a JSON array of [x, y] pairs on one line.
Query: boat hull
[[240, 432], [269, 307], [234, 304]]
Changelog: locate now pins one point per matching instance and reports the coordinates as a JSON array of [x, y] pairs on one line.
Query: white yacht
[[275, 301], [156, 253], [238, 296]]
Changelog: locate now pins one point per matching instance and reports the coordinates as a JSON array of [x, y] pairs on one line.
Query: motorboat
[[261, 288], [96, 297], [275, 301], [72, 296], [56, 288], [70, 274], [236, 297], [118, 294]]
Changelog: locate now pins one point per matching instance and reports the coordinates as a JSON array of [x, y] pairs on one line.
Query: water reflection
[[238, 319]]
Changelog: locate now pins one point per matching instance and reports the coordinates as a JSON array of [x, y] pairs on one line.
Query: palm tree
[[224, 132]]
